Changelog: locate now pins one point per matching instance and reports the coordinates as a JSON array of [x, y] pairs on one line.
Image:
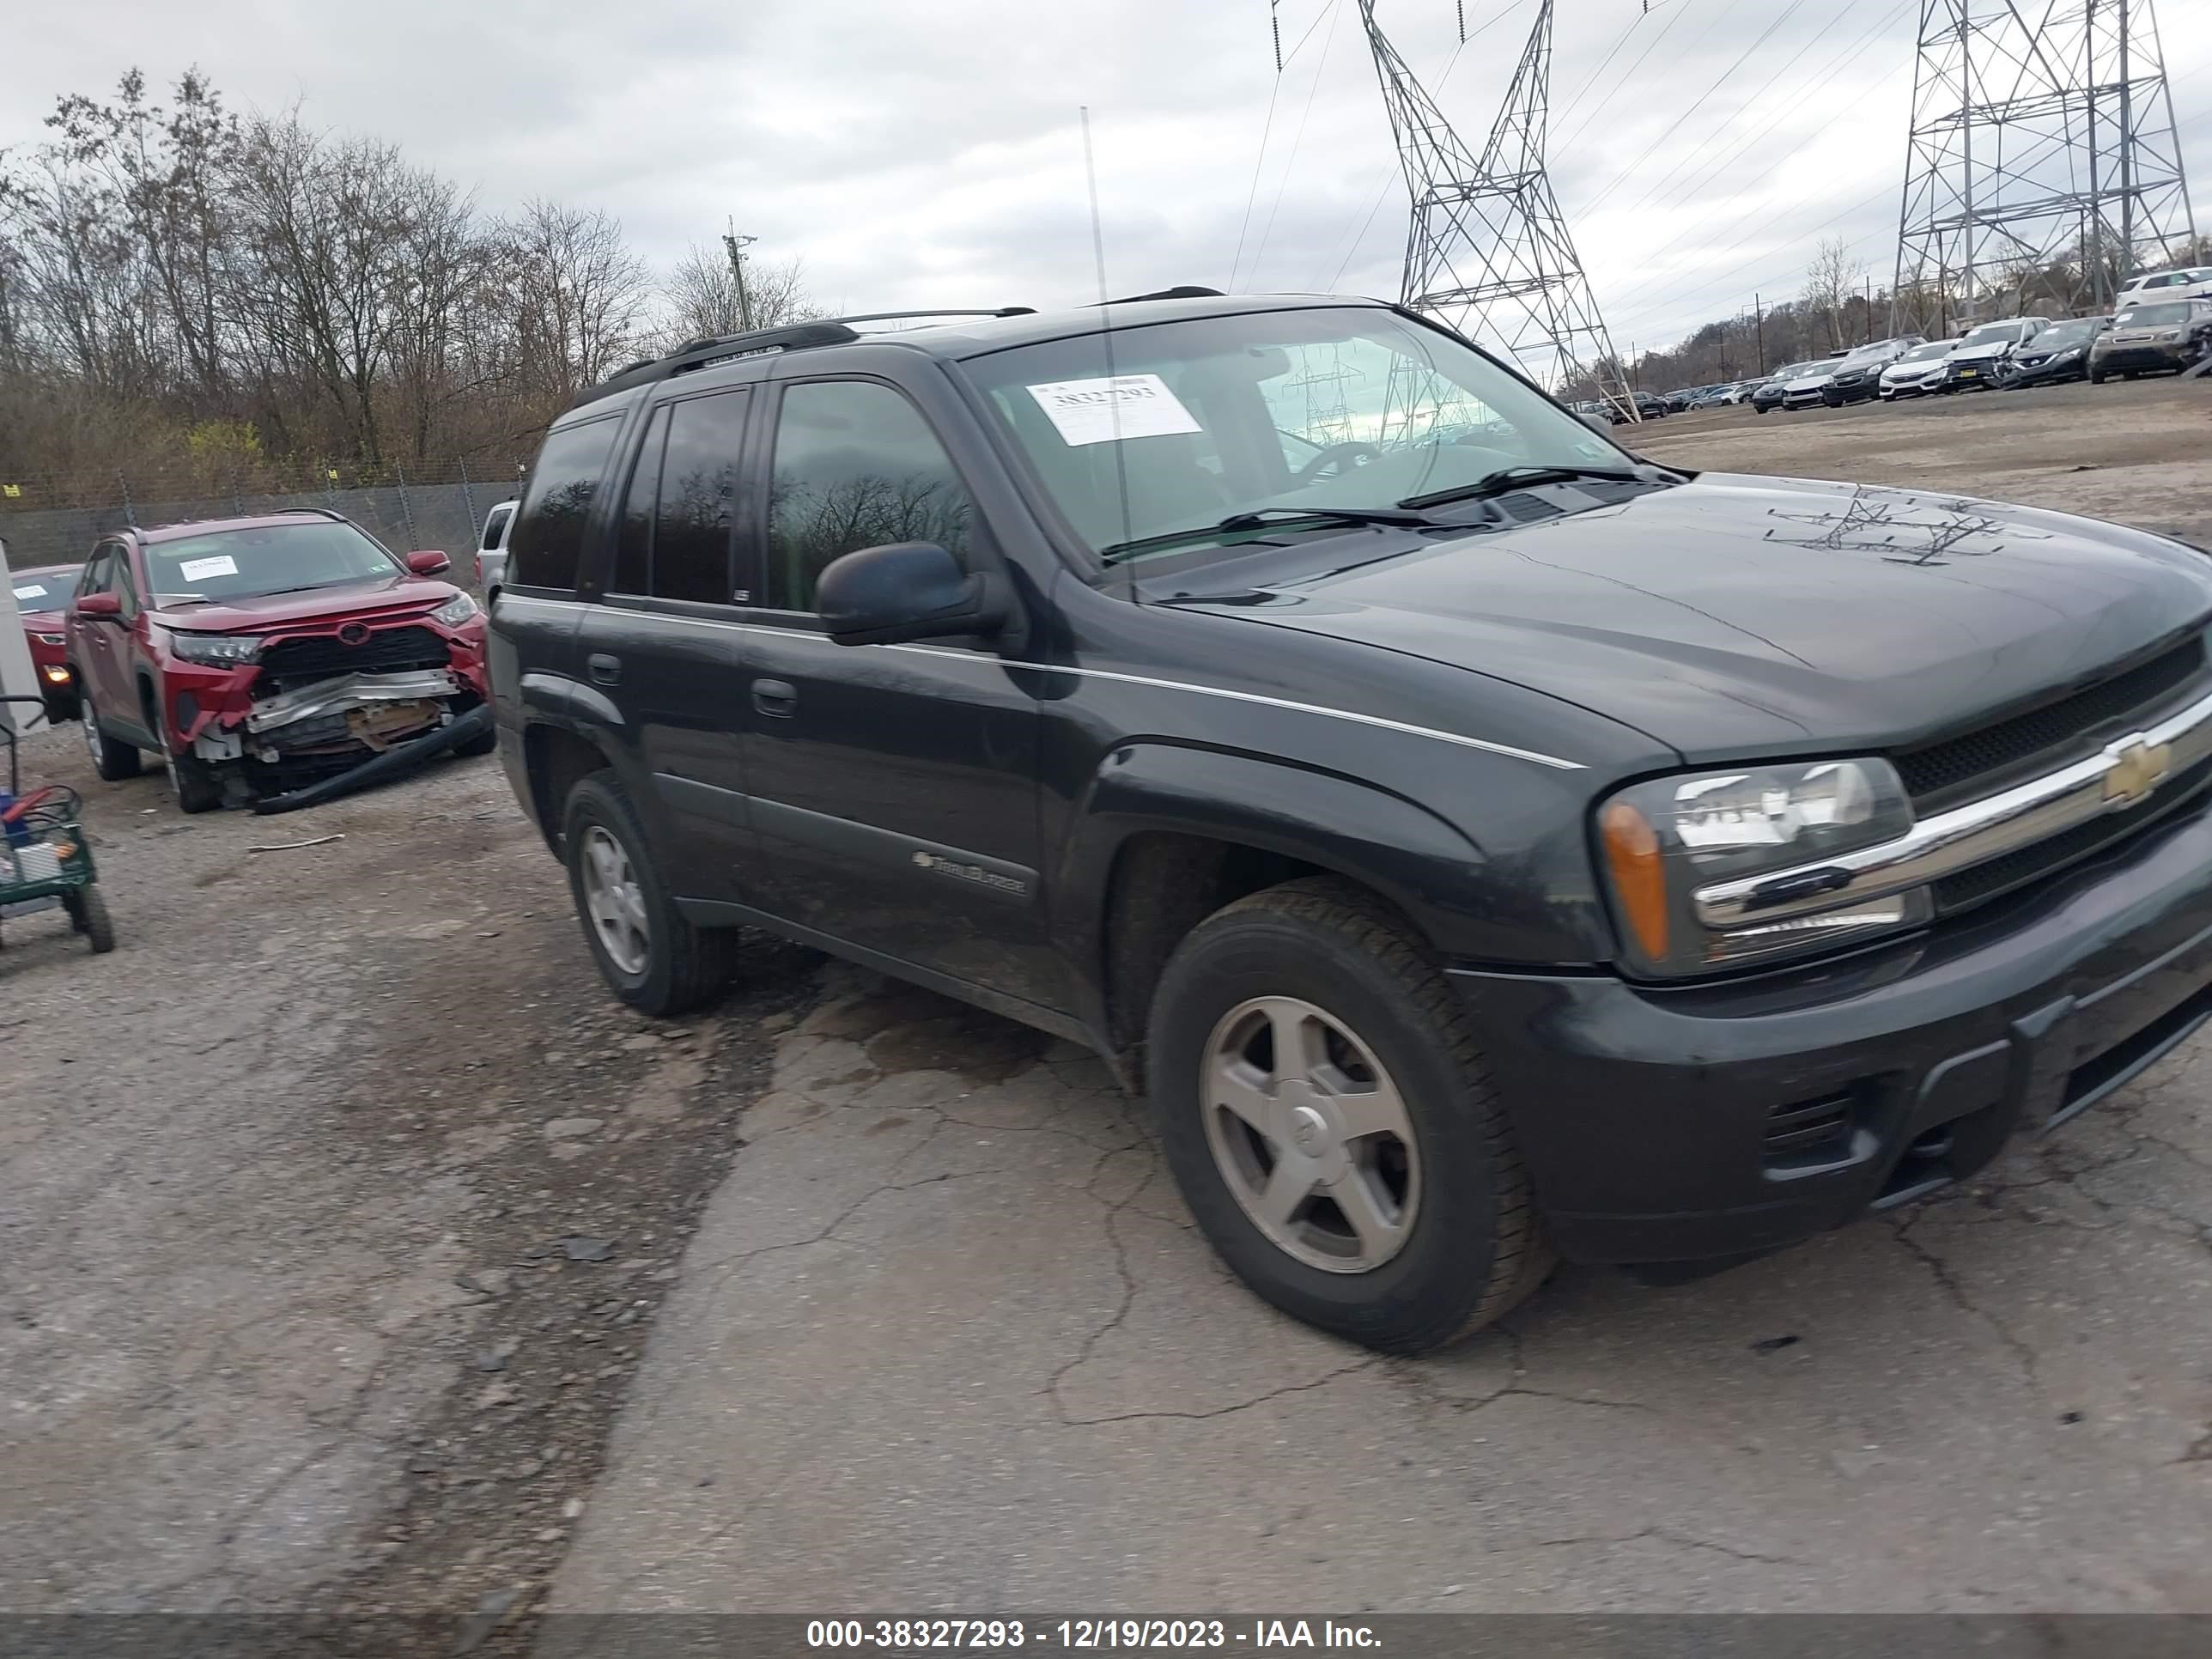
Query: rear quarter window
[[547, 544]]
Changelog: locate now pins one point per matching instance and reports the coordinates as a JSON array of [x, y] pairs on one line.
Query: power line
[[1620, 178], [1267, 127], [1335, 11]]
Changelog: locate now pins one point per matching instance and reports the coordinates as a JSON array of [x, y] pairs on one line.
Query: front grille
[[1985, 881], [386, 651], [1939, 774]]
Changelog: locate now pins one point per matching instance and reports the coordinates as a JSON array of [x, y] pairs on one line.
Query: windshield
[[1991, 333], [282, 558], [2158, 316], [1928, 353], [2067, 334], [43, 590], [1791, 371], [1333, 409]]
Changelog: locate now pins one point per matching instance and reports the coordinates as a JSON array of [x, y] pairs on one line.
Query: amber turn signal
[[1639, 878]]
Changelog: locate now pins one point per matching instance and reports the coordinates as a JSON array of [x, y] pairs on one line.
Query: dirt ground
[[361, 1254], [2138, 452]]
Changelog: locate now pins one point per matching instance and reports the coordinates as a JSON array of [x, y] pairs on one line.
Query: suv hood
[[1980, 354], [261, 612], [1737, 616]]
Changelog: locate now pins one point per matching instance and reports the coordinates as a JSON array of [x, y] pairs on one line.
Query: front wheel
[[1328, 1117], [195, 783], [648, 953], [113, 761]]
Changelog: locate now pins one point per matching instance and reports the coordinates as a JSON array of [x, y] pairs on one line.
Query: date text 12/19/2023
[[1085, 1635]]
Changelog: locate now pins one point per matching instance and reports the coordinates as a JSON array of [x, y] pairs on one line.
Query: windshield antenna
[[1106, 325]]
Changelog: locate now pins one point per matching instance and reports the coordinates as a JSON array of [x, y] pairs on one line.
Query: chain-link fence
[[55, 520]]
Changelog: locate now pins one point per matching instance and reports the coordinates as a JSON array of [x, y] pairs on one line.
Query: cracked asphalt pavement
[[361, 1254]]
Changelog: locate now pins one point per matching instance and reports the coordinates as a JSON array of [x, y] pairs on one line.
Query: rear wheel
[[113, 761], [648, 953], [1328, 1117]]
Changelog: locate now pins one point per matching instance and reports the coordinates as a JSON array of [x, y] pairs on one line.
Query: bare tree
[[701, 300], [577, 298], [1830, 281]]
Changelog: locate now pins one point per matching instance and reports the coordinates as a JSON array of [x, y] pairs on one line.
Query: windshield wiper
[[1513, 477], [1260, 517]]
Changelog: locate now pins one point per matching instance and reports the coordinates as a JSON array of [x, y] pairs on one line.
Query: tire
[[676, 967], [477, 746], [1471, 1247], [87, 915], [113, 761], [61, 708], [194, 782], [2096, 377]]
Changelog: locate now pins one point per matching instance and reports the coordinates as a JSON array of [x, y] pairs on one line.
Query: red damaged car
[[40, 597], [273, 661]]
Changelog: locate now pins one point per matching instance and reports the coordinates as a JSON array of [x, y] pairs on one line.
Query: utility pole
[[1759, 322], [735, 245]]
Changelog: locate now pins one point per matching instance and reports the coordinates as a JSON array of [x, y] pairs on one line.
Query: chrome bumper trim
[[1976, 832]]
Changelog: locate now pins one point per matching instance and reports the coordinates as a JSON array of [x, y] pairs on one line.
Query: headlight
[[455, 612], [2061, 356], [50, 638], [1660, 842], [215, 648], [2169, 334]]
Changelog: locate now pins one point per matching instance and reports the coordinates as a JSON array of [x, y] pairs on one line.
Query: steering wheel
[[1335, 460]]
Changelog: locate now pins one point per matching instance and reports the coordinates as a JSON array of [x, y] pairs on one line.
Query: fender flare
[[1345, 825]]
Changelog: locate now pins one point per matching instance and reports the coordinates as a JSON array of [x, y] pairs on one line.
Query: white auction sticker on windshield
[[1099, 412], [33, 592], [198, 571]]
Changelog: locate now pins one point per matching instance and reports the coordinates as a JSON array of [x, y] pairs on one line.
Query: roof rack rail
[[319, 512], [1182, 291], [714, 349]]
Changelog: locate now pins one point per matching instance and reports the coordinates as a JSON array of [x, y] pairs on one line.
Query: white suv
[[2189, 282], [491, 550]]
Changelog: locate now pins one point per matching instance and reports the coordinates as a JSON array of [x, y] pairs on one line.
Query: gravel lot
[[361, 1253]]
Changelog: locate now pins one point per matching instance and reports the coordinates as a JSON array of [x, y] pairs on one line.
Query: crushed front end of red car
[[298, 704]]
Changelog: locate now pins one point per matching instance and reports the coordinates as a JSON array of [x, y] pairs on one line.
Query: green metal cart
[[45, 858]]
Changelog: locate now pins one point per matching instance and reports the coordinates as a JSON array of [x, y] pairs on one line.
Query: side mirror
[[904, 591], [429, 562], [102, 607]]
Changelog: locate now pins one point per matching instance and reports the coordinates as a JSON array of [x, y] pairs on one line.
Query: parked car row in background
[[2146, 337]]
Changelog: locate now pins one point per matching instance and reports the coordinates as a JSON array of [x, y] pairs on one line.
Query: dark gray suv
[[1483, 845]]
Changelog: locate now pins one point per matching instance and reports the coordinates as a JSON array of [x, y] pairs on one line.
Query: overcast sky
[[917, 155]]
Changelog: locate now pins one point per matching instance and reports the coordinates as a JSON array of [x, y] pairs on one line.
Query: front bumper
[[1911, 388], [2136, 359], [1981, 372], [1700, 1123]]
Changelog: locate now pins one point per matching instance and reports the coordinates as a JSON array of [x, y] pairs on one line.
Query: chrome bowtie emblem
[[2137, 769]]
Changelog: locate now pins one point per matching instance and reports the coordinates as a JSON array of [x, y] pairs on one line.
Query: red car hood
[[265, 612], [42, 622]]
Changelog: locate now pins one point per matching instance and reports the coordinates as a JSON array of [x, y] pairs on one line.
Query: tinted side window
[[496, 527], [856, 466], [548, 543], [634, 540], [125, 584], [698, 490], [94, 578]]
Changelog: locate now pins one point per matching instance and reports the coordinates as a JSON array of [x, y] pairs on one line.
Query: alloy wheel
[[1310, 1134], [614, 903]]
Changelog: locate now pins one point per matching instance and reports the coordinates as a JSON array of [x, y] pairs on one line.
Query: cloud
[[919, 156]]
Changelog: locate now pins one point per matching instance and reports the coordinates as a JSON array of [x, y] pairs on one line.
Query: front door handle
[[604, 669], [777, 697]]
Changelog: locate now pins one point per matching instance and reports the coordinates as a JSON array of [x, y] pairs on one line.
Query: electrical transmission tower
[[1486, 248], [2042, 152]]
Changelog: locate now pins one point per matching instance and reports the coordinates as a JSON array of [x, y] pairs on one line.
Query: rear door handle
[[604, 669], [778, 697]]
